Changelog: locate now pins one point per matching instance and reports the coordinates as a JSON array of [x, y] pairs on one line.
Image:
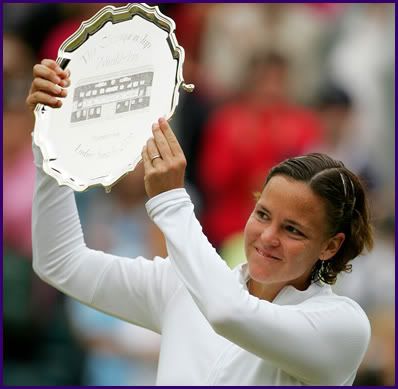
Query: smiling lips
[[266, 254]]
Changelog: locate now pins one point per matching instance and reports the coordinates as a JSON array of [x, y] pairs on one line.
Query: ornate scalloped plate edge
[[90, 27]]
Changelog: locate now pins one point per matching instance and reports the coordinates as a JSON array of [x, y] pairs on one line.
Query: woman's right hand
[[48, 84]]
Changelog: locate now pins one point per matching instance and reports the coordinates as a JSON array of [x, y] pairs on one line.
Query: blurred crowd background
[[272, 81]]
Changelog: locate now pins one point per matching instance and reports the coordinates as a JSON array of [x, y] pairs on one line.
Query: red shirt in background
[[240, 146]]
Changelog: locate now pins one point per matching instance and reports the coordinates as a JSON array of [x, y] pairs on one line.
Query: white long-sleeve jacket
[[213, 331]]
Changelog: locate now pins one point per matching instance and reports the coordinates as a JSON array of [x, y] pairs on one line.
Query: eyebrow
[[293, 222]]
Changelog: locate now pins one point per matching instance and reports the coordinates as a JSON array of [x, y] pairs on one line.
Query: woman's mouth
[[267, 254]]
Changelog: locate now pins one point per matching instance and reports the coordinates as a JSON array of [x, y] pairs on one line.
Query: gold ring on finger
[[155, 156]]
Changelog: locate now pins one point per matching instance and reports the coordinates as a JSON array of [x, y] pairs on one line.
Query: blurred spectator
[[33, 313], [118, 353], [244, 139], [234, 32], [336, 110], [362, 59]]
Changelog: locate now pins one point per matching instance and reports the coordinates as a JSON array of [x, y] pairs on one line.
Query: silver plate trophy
[[126, 72]]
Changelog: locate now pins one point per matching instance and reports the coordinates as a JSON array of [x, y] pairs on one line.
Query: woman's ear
[[332, 246]]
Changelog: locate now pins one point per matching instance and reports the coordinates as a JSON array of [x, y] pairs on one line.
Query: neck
[[263, 291], [268, 292]]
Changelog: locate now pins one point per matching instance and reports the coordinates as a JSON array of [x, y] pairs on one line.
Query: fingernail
[[57, 80], [57, 89]]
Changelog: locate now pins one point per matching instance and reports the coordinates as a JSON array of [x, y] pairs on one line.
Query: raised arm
[[135, 290], [317, 342]]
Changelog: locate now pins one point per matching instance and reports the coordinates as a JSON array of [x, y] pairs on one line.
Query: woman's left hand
[[164, 160]]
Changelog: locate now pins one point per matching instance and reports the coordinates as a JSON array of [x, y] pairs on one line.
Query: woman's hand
[[164, 160], [48, 83]]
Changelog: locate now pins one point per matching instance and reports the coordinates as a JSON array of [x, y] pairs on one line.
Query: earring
[[325, 265]]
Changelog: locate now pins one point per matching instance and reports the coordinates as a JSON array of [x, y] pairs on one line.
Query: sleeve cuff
[[165, 199]]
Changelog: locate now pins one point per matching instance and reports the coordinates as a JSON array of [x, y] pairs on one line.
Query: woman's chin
[[259, 273]]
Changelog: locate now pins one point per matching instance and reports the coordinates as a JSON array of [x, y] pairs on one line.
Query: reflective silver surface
[[126, 72]]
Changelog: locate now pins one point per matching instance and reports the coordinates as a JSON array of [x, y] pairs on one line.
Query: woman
[[272, 321]]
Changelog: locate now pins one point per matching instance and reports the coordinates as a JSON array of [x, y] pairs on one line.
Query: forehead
[[293, 200]]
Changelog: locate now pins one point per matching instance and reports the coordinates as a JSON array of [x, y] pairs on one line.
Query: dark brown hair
[[347, 207]]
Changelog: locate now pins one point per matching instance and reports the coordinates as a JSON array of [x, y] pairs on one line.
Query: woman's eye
[[261, 215], [294, 230]]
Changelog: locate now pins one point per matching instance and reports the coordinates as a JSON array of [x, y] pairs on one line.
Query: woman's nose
[[269, 237]]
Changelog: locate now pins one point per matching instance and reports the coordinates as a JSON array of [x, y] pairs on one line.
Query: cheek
[[247, 235], [250, 231], [303, 253], [297, 249]]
